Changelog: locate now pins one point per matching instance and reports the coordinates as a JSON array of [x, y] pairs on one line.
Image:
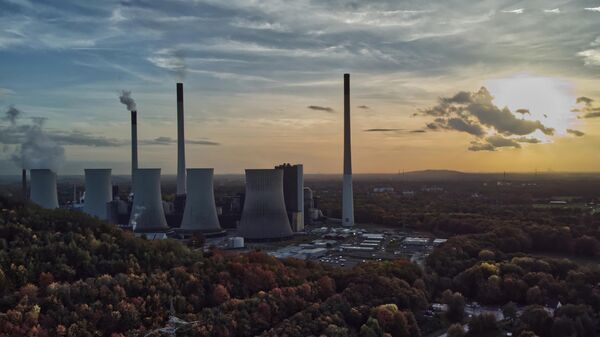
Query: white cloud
[[514, 11], [591, 57], [552, 11], [593, 9]]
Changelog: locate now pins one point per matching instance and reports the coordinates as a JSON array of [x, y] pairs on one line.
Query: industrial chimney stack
[[134, 152], [347, 194], [24, 183], [180, 142]]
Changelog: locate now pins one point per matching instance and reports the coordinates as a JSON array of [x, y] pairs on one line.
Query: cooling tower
[[147, 214], [347, 194], [43, 188], [200, 212], [134, 150], [181, 185], [264, 215], [98, 192]]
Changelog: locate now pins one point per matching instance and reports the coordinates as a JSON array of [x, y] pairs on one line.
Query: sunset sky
[[476, 86]]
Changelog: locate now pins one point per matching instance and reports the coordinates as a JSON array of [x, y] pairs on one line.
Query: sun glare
[[548, 99]]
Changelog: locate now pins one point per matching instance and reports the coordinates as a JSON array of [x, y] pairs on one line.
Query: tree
[[456, 305], [509, 310], [483, 324], [456, 330]]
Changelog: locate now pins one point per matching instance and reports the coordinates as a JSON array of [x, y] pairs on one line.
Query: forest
[[63, 273]]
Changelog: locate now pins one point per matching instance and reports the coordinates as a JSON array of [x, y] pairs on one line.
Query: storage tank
[[264, 215], [200, 212], [43, 188], [147, 214], [98, 192]]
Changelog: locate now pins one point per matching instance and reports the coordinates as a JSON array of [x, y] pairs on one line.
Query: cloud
[[514, 11], [366, 107], [593, 9], [321, 108], [576, 133], [591, 57], [172, 60], [552, 11], [523, 111], [493, 142], [589, 109], [527, 140], [476, 114], [382, 130], [169, 141], [80, 138], [12, 114]]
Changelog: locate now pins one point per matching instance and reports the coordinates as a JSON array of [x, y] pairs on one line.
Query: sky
[[477, 86]]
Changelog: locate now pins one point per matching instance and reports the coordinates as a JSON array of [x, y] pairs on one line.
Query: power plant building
[[200, 213], [98, 192], [43, 188], [293, 192], [264, 215], [147, 213]]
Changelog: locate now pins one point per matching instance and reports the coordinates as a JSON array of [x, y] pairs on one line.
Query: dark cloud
[[496, 141], [12, 114], [383, 130], [589, 108], [475, 113], [366, 107], [321, 108], [418, 131], [85, 139], [576, 133], [168, 141]]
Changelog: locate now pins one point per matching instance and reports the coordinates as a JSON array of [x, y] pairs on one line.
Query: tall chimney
[[24, 183], [134, 152], [180, 142], [347, 194]]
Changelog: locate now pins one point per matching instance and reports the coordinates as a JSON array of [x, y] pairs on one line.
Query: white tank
[[43, 188], [147, 214], [264, 215], [98, 192], [200, 212]]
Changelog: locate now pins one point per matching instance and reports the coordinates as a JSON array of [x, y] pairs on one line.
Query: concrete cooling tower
[[147, 213], [43, 188], [98, 192], [264, 215], [200, 214]]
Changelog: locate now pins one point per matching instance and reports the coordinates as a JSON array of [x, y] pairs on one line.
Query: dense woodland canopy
[[65, 274]]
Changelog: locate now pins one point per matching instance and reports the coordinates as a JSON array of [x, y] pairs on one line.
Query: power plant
[[98, 192], [347, 193], [43, 188], [200, 213], [275, 204], [264, 215], [147, 213]]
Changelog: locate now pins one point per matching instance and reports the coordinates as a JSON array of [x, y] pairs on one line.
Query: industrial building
[[293, 193], [43, 188], [264, 215], [200, 213], [147, 213], [98, 192]]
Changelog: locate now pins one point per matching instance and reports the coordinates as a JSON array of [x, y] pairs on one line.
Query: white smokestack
[[347, 194], [147, 213], [98, 192], [264, 215], [43, 188], [200, 210], [181, 185]]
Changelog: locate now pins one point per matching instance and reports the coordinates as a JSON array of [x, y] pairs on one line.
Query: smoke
[[38, 150], [12, 114], [126, 99]]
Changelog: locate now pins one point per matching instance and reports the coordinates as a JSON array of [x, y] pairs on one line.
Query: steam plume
[[38, 150], [126, 99]]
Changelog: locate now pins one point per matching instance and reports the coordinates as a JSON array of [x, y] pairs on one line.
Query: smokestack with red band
[[180, 142], [134, 153], [347, 194]]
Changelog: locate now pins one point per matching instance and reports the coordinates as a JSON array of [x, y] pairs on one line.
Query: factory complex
[[275, 206]]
